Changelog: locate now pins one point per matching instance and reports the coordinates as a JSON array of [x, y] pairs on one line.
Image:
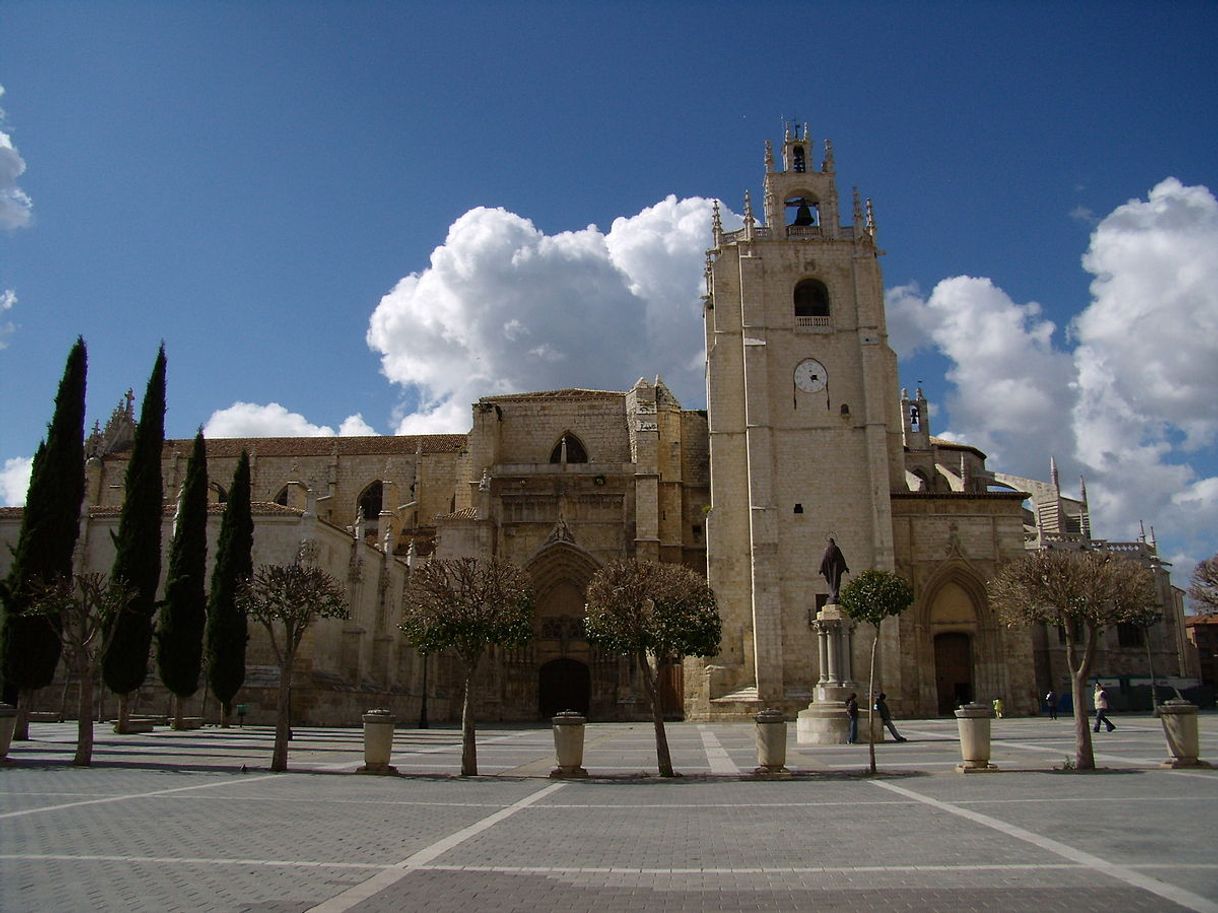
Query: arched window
[[569, 449], [282, 497], [221, 494], [811, 301], [370, 501]]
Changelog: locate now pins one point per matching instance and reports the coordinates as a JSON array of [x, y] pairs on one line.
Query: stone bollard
[[1179, 720], [569, 745], [973, 721], [771, 743], [378, 742], [8, 723]]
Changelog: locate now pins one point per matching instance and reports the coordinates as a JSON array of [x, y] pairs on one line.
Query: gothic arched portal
[[563, 684], [953, 670]]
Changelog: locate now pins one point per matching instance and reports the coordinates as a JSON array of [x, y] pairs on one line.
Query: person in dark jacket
[[881, 707], [852, 711]]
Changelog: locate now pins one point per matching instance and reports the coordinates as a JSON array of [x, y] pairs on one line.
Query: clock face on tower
[[811, 376]]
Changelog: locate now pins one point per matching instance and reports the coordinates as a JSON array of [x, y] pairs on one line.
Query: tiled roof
[[567, 393], [169, 508], [954, 445], [465, 513], [372, 445]]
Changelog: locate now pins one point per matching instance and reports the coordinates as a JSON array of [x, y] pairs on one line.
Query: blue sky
[[357, 217]]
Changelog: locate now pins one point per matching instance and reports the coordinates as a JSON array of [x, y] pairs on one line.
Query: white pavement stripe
[[1177, 895], [340, 903], [591, 870], [1068, 751], [187, 860], [716, 754], [125, 796]]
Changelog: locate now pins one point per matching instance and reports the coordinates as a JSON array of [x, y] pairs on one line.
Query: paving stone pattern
[[170, 822]]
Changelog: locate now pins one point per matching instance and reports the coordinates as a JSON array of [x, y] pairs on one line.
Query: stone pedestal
[[771, 743], [973, 722], [569, 745], [8, 723], [826, 722], [378, 742], [1179, 719]]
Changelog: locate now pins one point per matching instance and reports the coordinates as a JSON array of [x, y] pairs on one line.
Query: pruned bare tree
[[467, 605], [82, 609], [286, 599], [655, 613], [1081, 593], [1204, 589]]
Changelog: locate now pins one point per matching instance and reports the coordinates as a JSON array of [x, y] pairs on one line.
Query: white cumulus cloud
[[273, 420], [503, 307], [8, 298], [15, 480], [1009, 384], [16, 207], [1132, 404]]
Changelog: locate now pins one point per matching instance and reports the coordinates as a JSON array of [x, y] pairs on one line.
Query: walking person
[[852, 711], [1051, 704], [881, 706], [1100, 699]]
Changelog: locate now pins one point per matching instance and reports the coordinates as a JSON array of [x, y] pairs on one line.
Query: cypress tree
[[137, 562], [50, 523], [179, 654], [226, 622]]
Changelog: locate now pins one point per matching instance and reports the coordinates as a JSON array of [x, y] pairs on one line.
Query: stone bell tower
[[805, 428]]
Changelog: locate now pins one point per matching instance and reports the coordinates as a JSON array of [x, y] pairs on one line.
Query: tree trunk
[[21, 729], [663, 757], [1150, 666], [124, 713], [871, 702], [226, 714], [1084, 754], [283, 713], [84, 715], [469, 743], [178, 701]]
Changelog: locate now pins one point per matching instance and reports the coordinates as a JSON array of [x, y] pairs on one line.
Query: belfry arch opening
[[805, 211]]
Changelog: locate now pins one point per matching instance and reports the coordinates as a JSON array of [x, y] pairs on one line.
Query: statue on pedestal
[[832, 567]]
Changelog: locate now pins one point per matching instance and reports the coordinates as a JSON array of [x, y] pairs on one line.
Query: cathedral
[[807, 435]]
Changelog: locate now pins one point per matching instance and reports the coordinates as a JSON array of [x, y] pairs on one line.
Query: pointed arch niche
[[569, 449]]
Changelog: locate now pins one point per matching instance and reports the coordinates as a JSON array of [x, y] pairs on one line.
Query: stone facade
[[804, 437]]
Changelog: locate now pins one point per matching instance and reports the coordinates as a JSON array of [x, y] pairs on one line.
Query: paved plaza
[[194, 821]]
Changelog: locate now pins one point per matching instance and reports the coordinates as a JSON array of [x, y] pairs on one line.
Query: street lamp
[[423, 724]]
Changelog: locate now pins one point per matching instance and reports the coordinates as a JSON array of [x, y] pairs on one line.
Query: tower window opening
[[811, 300], [915, 418], [569, 449], [798, 162]]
